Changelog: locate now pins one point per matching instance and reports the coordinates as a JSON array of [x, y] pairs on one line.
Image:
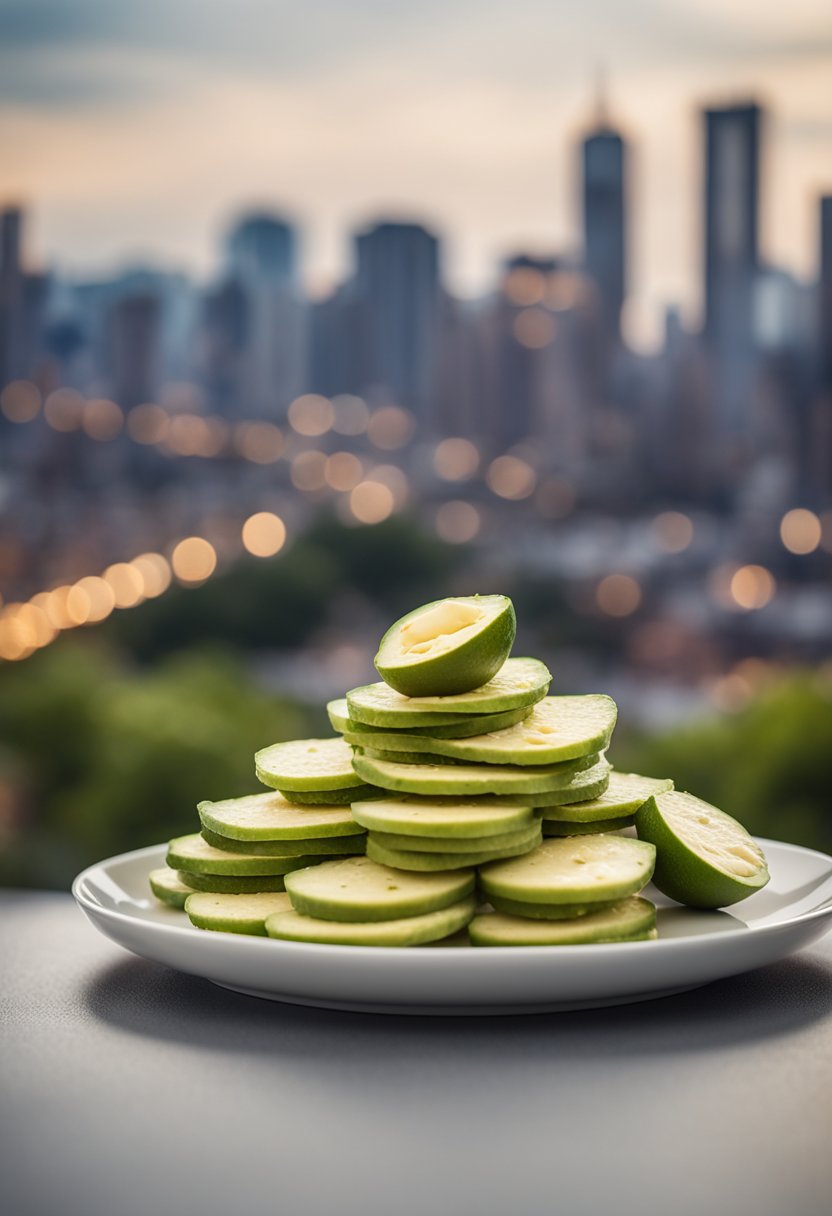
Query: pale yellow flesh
[[170, 881], [712, 835], [442, 627], [403, 931], [273, 811], [516, 675], [573, 866], [360, 882], [237, 908], [196, 848], [623, 788], [301, 758], [437, 816], [630, 917], [553, 721]]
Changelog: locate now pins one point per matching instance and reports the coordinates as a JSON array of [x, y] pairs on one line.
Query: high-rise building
[[336, 344], [262, 246], [397, 282], [225, 323], [604, 164], [732, 189], [135, 338], [11, 294], [731, 221], [820, 424], [272, 363], [824, 332]]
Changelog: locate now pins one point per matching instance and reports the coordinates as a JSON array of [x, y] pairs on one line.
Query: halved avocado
[[448, 646]]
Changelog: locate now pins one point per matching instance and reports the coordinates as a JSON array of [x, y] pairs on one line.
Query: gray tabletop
[[128, 1088]]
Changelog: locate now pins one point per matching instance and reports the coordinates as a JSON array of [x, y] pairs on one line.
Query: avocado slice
[[403, 931], [448, 646], [271, 817], [629, 921], [359, 889], [519, 682]]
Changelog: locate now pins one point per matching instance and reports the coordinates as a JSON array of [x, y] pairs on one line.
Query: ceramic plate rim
[[453, 953]]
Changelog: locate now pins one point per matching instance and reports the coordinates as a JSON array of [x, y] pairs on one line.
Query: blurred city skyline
[[155, 427], [135, 136]]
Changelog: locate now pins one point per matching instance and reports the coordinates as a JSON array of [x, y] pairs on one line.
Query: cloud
[[46, 45]]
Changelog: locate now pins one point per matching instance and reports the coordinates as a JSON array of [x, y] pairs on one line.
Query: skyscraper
[[261, 263], [11, 294], [135, 344], [825, 294], [262, 246], [397, 281], [820, 442], [604, 163], [732, 188]]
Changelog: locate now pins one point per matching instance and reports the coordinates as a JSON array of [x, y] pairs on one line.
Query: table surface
[[128, 1089]]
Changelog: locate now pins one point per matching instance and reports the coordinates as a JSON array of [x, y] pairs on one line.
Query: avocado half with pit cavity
[[447, 647]]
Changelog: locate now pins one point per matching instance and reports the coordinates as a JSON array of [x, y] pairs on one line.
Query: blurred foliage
[[96, 758], [765, 765], [109, 739]]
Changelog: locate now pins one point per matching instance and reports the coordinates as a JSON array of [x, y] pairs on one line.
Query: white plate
[[694, 948]]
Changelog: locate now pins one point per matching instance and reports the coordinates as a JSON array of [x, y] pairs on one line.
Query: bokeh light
[[534, 328], [673, 531], [64, 409], [20, 401], [78, 605], [456, 459], [55, 604], [29, 626], [800, 531], [193, 560], [187, 435], [154, 571], [311, 415], [215, 436], [264, 534], [17, 636], [510, 477], [565, 290], [457, 522], [391, 427], [343, 471], [259, 442], [752, 587], [127, 584], [102, 420], [371, 502], [524, 285], [618, 595], [308, 471], [99, 595], [147, 424]]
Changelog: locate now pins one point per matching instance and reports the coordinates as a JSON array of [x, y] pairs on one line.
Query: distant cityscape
[[527, 399]]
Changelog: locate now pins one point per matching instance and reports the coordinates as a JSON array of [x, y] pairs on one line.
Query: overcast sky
[[136, 130]]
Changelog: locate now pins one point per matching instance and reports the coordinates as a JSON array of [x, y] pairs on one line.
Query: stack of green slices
[[457, 793]]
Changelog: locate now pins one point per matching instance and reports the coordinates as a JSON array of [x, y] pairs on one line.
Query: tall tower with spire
[[604, 166]]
